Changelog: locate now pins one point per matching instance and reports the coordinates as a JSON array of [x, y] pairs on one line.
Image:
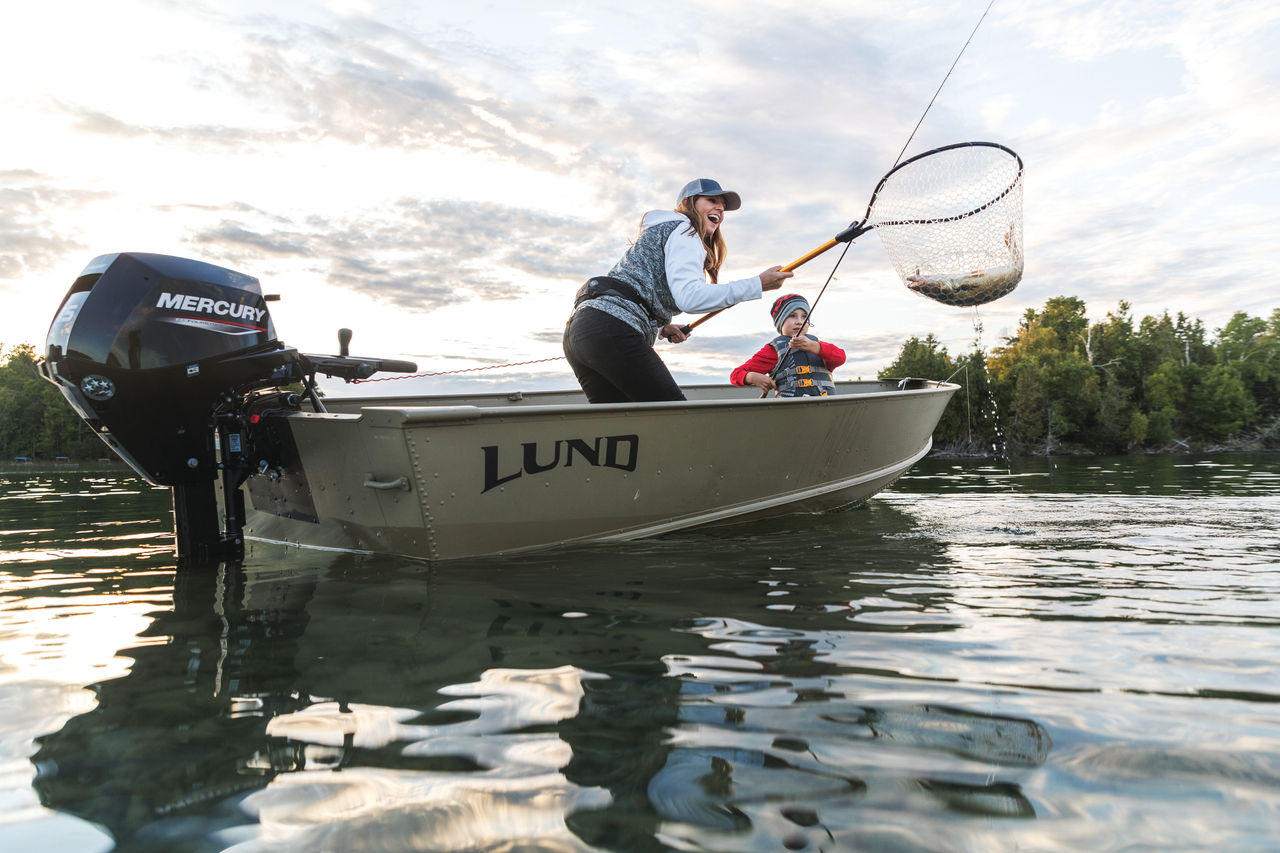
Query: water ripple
[[1053, 655]]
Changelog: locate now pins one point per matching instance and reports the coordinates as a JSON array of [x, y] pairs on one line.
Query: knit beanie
[[783, 307]]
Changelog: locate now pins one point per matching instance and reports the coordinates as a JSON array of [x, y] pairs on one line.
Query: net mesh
[[951, 221]]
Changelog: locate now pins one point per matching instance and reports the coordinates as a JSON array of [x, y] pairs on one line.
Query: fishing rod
[[858, 228]]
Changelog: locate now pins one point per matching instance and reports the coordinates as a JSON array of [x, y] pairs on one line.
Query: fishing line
[[967, 410], [847, 243], [898, 159], [944, 81], [857, 228], [808, 320]]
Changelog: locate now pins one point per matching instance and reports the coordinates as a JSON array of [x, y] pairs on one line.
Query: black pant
[[614, 363]]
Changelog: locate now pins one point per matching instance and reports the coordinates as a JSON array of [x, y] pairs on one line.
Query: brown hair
[[714, 243]]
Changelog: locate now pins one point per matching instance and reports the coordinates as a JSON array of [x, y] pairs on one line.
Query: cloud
[[631, 134], [437, 158], [29, 238], [421, 254], [362, 84]]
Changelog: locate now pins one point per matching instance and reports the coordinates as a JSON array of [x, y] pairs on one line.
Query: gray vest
[[800, 373], [644, 267]]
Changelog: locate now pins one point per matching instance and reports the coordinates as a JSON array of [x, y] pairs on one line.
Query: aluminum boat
[[175, 364]]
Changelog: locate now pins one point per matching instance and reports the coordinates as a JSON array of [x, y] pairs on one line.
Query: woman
[[617, 318]]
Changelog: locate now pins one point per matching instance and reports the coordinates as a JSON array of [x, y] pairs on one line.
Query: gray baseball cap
[[706, 186]]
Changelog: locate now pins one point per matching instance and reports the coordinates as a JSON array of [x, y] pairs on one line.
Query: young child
[[807, 363]]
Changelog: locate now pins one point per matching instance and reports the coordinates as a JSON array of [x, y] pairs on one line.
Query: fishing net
[[951, 221]]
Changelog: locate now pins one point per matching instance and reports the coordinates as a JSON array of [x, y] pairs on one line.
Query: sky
[[440, 177]]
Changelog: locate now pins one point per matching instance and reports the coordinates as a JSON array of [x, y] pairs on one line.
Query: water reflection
[[351, 703], [939, 670], [1221, 474]]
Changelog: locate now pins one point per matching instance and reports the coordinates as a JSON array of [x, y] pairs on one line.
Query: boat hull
[[451, 477]]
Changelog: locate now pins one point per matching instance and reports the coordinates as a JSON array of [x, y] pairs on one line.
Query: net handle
[[845, 236]]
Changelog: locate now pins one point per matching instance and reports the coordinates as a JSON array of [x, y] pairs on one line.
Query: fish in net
[[951, 222]]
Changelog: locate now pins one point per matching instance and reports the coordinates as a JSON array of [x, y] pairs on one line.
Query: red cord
[[460, 370]]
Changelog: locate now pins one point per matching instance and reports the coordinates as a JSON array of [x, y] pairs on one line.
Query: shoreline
[[967, 451]]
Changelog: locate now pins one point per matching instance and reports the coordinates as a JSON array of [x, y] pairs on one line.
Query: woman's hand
[[761, 381], [673, 333], [773, 277]]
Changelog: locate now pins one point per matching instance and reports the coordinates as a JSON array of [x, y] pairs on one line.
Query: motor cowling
[[146, 347]]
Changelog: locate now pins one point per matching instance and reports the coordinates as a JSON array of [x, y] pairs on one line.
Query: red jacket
[[767, 358]]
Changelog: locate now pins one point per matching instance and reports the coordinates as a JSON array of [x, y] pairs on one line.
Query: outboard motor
[[159, 355]]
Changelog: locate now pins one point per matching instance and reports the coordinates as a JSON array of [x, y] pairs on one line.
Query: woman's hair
[[714, 243]]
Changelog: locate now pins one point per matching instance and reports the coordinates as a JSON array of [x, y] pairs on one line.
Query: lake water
[[1038, 656]]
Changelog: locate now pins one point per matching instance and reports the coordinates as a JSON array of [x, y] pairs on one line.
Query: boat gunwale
[[445, 410]]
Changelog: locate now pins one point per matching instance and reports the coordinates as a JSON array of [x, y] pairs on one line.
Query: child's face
[[794, 322]]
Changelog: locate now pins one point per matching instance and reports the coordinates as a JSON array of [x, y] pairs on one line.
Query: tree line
[[1060, 384], [36, 422]]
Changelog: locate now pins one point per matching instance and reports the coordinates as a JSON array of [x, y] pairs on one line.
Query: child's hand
[[807, 344], [761, 381]]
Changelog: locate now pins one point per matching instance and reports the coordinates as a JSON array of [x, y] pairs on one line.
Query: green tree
[[981, 426], [35, 420], [967, 424], [1045, 384], [1252, 346], [1172, 353], [20, 408], [1218, 404], [923, 358], [1062, 382], [1111, 347], [1164, 398], [927, 358]]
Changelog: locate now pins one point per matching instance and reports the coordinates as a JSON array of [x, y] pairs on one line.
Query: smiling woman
[[673, 266]]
